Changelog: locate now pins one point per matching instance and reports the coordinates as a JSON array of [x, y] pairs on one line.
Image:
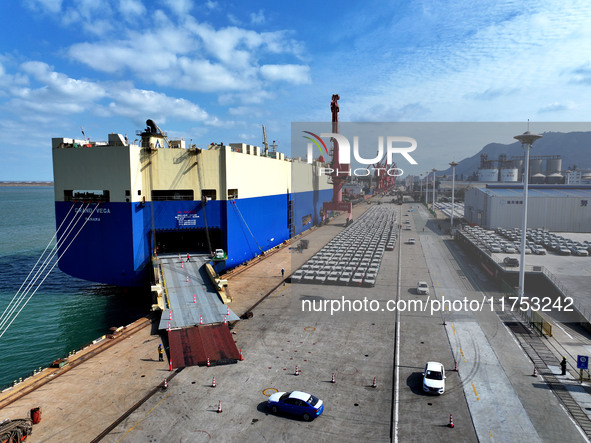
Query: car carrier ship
[[118, 203]]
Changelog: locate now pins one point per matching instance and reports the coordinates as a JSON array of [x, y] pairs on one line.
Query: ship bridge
[[195, 318]]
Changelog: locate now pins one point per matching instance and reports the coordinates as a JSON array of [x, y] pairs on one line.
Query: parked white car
[[434, 378], [422, 288]]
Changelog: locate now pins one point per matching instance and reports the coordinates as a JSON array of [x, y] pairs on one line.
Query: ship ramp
[[195, 316]]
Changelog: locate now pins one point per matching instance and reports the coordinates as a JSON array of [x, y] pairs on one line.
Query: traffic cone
[[241, 357], [535, 374], [170, 315], [332, 380], [182, 265], [187, 278], [200, 319], [451, 421], [168, 326], [227, 310], [374, 383], [194, 298], [180, 257], [208, 362], [219, 406], [165, 383], [170, 365], [213, 383], [225, 319], [297, 371]]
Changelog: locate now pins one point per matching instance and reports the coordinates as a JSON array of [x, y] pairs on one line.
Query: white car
[[434, 378], [422, 288], [411, 241]]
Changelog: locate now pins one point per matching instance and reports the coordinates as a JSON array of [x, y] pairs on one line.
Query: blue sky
[[216, 71]]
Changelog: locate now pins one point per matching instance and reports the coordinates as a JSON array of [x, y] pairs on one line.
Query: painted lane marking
[[475, 393]]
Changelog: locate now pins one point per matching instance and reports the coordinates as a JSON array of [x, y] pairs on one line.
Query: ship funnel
[[152, 127]]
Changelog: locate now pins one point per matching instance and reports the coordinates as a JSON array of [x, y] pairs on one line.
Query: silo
[[488, 175], [554, 179], [553, 165], [509, 175], [537, 179], [535, 166]]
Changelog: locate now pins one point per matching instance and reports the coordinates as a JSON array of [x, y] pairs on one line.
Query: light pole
[[453, 182], [427, 189], [421, 185], [527, 139], [433, 202]]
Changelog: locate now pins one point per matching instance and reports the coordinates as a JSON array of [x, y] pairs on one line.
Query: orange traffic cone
[[219, 406], [200, 319], [165, 383], [170, 365], [451, 421], [374, 383], [297, 371], [213, 383], [187, 278], [535, 374], [182, 265], [241, 357], [194, 298]]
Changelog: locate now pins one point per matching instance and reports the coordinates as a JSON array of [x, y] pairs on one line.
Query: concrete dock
[[113, 391]]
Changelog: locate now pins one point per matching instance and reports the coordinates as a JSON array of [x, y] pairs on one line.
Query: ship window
[[172, 194], [127, 192], [208, 194], [139, 192], [232, 193]]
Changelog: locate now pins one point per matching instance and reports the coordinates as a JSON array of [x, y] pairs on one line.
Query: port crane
[[340, 171]]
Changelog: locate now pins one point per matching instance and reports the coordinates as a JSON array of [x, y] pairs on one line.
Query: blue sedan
[[297, 403]]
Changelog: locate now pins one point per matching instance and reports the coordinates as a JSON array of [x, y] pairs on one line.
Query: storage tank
[[488, 175], [509, 175], [554, 179], [537, 179], [553, 165], [535, 166]]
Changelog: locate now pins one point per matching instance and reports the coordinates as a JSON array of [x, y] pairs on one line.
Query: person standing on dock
[[282, 272], [160, 353]]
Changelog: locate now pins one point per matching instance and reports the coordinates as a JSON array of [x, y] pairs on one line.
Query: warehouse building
[[561, 208]]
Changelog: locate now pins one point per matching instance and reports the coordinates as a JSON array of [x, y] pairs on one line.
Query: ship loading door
[[182, 241]]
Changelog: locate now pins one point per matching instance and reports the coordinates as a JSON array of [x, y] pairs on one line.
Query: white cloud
[[296, 74], [131, 9], [180, 7], [257, 18]]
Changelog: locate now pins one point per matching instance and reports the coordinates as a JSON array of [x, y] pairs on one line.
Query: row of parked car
[[540, 240], [354, 256]]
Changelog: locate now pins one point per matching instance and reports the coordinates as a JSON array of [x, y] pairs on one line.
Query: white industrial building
[[562, 208]]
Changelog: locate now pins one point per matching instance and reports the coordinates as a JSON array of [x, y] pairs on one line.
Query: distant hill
[[573, 147]]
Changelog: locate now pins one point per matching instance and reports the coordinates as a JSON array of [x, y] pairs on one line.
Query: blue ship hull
[[116, 244]]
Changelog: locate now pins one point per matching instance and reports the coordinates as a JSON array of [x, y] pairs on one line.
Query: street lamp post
[[527, 139], [453, 182], [421, 184], [427, 189], [433, 202]]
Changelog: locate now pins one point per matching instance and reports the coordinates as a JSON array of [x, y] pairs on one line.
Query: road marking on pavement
[[146, 416], [452, 326], [279, 292], [490, 433], [475, 393], [269, 389], [309, 328], [463, 356], [556, 324]]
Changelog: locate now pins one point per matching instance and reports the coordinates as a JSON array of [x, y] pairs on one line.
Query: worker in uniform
[[160, 353], [282, 272], [563, 365]]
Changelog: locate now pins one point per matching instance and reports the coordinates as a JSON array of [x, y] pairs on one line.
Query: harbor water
[[65, 313]]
